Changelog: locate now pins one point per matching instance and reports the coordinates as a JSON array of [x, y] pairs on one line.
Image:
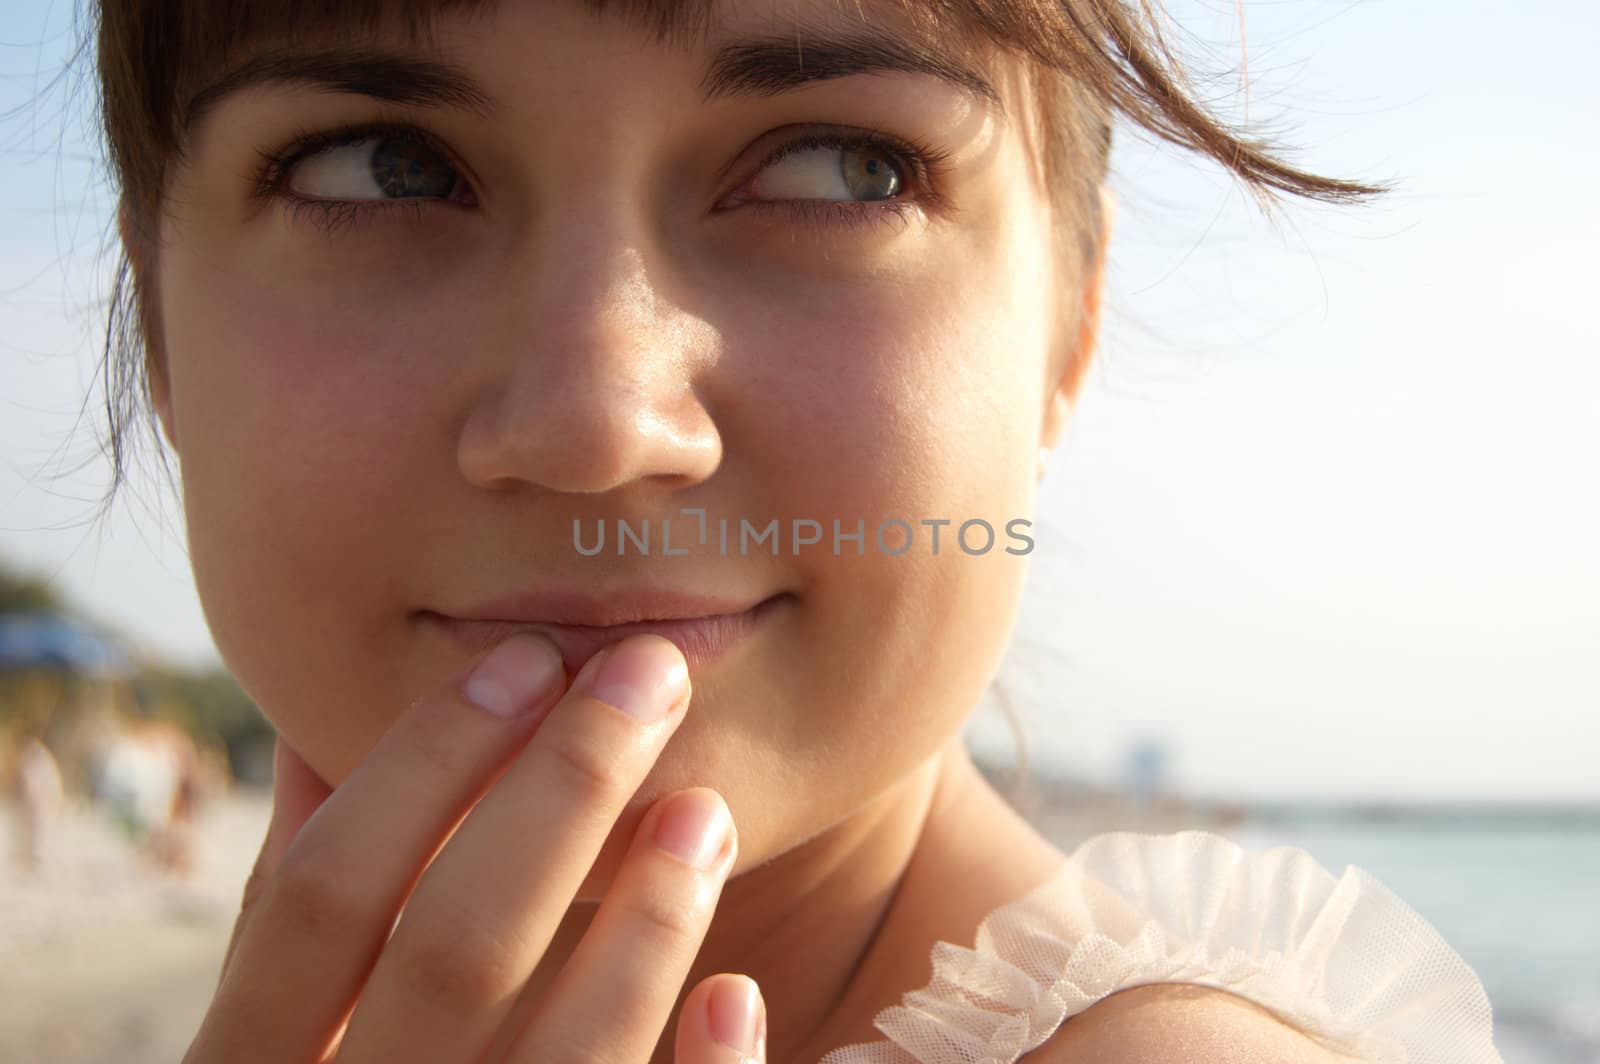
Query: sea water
[[1520, 903]]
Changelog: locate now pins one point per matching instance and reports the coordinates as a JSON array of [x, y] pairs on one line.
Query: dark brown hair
[[1090, 59]]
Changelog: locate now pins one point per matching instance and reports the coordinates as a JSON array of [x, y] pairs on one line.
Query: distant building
[[1146, 768]]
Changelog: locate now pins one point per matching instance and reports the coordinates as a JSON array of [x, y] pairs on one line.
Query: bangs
[[225, 27], [201, 39], [177, 49], [207, 38]]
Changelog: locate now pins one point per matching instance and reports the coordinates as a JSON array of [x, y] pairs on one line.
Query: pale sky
[[1325, 520]]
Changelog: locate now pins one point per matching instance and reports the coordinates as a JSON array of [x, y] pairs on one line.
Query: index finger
[[297, 792], [340, 882]]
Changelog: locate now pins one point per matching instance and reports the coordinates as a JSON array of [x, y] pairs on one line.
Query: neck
[[803, 924]]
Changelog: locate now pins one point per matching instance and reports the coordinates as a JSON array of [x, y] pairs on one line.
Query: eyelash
[[926, 166]]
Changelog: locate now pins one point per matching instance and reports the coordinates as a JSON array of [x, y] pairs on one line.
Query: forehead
[[215, 34]]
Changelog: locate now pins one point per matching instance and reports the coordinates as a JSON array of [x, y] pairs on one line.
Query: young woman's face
[[606, 304]]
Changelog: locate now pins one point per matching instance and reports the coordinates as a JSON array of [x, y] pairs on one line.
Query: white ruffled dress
[[1344, 960]]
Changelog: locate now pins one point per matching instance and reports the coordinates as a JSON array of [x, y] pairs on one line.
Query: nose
[[594, 390]]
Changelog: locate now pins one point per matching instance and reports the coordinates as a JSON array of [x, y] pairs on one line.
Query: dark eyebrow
[[763, 66], [766, 66], [398, 77]]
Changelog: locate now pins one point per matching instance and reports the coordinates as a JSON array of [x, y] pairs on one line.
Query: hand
[[483, 827]]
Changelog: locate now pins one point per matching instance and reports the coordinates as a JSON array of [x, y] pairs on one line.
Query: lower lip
[[701, 639]]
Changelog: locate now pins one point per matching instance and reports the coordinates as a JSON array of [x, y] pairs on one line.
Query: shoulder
[[1175, 1023]]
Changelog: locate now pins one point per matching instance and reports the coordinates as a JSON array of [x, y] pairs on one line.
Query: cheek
[[916, 392], [296, 432], [309, 380], [913, 401], [917, 395]]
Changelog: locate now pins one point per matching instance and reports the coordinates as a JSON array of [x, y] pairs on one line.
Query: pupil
[[401, 169], [869, 176]]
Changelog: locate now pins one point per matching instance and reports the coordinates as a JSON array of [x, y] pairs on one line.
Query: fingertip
[[733, 1013], [712, 1028]]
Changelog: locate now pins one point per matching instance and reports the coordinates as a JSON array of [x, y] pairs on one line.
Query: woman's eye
[[832, 172], [390, 166]]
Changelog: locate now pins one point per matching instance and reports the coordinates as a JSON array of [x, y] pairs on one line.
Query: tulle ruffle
[[1344, 960]]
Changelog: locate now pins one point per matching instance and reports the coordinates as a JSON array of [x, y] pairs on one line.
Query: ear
[[155, 355], [1059, 403]]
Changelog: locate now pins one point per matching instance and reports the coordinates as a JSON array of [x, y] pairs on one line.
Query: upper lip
[[626, 606]]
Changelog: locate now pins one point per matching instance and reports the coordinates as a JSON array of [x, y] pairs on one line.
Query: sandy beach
[[103, 959]]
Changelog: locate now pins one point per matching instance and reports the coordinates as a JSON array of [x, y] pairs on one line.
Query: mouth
[[702, 639]]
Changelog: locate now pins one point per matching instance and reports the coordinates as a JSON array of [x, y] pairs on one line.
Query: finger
[[323, 918], [715, 1025], [297, 791], [617, 991], [487, 908]]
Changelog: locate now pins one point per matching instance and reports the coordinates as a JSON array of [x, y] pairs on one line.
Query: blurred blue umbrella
[[31, 640]]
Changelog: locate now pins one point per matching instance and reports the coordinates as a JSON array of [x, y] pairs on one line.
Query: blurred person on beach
[[151, 780], [38, 799]]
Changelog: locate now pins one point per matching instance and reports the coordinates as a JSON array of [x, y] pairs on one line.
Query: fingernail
[[515, 676], [693, 827], [643, 676], [734, 1005], [761, 1033]]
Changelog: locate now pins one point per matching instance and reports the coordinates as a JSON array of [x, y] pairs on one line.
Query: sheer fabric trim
[[1342, 959]]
